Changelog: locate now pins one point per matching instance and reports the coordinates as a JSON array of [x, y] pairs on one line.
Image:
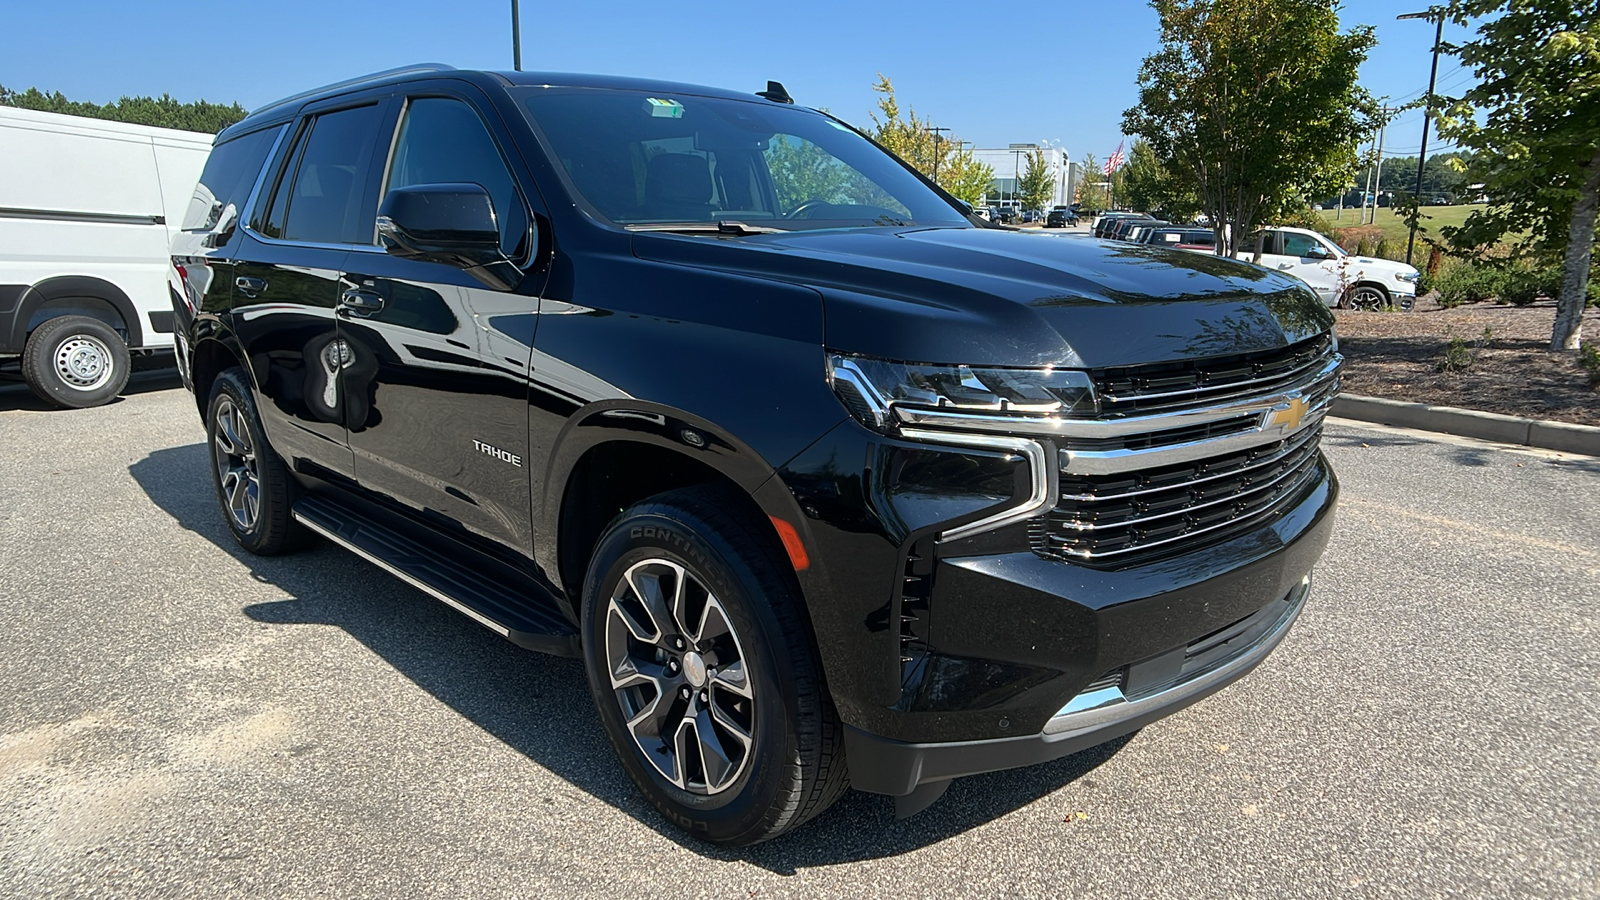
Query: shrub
[[1522, 285], [1383, 249], [1459, 355], [1468, 282], [1589, 358], [1364, 246]]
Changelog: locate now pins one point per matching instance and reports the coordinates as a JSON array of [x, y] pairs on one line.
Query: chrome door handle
[[250, 286], [360, 304]]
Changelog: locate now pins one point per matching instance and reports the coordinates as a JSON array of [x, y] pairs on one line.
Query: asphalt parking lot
[[180, 719]]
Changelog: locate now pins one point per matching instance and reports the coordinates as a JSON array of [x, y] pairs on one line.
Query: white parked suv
[[1340, 279]]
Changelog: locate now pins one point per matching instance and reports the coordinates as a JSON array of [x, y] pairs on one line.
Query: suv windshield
[[664, 160]]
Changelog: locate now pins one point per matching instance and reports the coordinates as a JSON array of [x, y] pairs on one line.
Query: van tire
[[75, 362]]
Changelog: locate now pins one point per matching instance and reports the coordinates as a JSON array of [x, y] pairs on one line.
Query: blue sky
[[1062, 71]]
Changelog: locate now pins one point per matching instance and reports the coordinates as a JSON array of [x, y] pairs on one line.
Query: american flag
[[1115, 162]]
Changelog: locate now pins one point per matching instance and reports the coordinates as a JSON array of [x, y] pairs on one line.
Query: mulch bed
[[1398, 355]]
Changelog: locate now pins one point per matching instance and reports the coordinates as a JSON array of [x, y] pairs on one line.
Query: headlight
[[879, 392], [1409, 277]]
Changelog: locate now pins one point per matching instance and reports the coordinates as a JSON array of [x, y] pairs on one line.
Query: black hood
[[985, 296]]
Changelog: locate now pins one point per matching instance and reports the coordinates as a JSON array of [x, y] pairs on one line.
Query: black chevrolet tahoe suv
[[827, 483]]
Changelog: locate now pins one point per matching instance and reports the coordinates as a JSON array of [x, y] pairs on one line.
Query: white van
[[87, 212]]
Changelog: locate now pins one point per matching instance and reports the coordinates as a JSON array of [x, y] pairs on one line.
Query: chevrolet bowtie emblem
[[1287, 417]]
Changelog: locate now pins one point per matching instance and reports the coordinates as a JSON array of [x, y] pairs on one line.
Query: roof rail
[[356, 82]]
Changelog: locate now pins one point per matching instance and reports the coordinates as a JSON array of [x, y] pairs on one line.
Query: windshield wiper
[[725, 226]]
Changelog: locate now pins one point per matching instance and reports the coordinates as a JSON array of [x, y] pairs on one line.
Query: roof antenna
[[776, 93]]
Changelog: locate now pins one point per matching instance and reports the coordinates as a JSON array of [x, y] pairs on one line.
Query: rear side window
[[230, 173], [318, 198], [442, 141]]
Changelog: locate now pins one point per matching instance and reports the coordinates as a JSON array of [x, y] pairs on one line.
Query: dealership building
[[1010, 161]]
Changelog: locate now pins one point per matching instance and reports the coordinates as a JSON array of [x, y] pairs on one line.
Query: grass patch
[[1394, 228]]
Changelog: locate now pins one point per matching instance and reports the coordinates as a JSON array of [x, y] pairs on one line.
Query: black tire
[[1366, 297], [254, 488], [793, 765], [75, 362]]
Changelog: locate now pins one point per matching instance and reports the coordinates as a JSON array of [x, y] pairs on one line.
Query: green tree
[[1091, 194], [965, 177], [1149, 185], [1538, 70], [933, 154], [1035, 184], [1255, 103], [162, 112]]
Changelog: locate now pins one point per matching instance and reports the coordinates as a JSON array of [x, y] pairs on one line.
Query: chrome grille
[[1133, 516], [1142, 390]]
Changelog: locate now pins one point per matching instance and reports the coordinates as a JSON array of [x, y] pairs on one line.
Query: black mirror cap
[[453, 224]]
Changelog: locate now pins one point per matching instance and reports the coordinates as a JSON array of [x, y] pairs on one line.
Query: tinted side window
[[230, 173], [323, 200], [442, 141]]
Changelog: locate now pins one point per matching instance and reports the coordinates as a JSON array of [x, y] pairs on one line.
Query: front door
[[446, 431]]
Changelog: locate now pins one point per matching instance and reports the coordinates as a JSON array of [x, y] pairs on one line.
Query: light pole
[[937, 138], [1434, 12], [516, 36]]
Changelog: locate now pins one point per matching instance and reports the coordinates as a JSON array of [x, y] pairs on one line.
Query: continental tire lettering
[[667, 536]]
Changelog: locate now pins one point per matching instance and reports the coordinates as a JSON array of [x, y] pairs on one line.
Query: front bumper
[[1093, 717]]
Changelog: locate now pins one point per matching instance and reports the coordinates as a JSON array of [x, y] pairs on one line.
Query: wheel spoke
[[644, 582], [716, 763], [731, 677], [239, 495], [735, 730], [713, 621]]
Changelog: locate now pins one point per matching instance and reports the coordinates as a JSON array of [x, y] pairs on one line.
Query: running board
[[485, 590]]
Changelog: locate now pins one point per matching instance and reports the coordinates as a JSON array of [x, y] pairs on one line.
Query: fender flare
[[64, 287], [627, 420]]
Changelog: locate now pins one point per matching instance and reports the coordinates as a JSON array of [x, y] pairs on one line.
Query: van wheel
[[253, 485], [75, 362], [705, 673]]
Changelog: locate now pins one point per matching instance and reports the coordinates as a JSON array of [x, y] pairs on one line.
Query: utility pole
[[516, 36], [1377, 186], [936, 154], [1434, 12]]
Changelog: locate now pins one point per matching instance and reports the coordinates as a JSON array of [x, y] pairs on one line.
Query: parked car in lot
[[1060, 217], [1006, 215], [1338, 278], [1108, 221], [87, 211], [818, 489], [1182, 238]]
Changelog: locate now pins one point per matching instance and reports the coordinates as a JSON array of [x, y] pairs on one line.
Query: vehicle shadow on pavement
[[15, 394], [540, 705]]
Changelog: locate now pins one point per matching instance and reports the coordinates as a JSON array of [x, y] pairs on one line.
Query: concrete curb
[[1562, 436]]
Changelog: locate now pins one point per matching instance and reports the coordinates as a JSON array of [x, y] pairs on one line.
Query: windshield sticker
[[664, 109]]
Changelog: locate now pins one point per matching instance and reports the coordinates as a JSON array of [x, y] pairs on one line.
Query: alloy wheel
[[679, 674], [237, 470], [1368, 299]]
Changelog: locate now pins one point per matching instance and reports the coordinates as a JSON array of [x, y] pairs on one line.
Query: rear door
[[447, 430], [286, 286]]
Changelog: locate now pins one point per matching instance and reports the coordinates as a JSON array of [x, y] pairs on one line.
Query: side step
[[488, 591]]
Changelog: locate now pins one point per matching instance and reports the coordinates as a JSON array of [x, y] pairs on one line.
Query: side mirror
[[453, 224], [1319, 253]]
